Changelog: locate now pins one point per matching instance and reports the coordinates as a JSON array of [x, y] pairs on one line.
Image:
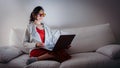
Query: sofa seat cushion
[[3, 65], [89, 60], [19, 62], [44, 64], [8, 53]]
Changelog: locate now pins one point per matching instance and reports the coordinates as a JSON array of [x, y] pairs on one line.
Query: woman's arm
[[26, 42]]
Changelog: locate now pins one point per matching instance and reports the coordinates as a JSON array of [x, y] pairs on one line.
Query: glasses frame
[[42, 15]]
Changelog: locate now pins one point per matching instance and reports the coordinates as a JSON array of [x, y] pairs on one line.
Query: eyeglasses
[[42, 15]]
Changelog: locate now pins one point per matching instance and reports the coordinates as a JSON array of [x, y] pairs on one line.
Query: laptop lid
[[63, 42]]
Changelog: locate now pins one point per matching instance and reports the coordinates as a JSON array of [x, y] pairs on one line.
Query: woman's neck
[[37, 22]]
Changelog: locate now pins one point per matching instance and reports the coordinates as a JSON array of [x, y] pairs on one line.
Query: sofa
[[93, 47]]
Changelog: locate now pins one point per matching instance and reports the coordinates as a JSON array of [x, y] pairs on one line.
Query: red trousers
[[60, 55]]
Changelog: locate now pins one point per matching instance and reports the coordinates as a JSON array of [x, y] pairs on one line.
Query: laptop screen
[[63, 42]]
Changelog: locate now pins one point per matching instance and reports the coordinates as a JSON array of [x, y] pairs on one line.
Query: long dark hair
[[35, 12]]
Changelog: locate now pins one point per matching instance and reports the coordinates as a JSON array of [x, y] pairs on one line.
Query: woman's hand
[[39, 44]]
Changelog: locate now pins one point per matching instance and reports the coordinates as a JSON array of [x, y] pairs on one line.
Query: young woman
[[39, 40]]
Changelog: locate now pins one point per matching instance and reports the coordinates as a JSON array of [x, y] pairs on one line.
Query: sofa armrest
[[112, 51]]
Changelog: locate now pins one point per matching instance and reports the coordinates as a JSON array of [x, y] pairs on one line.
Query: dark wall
[[112, 10]]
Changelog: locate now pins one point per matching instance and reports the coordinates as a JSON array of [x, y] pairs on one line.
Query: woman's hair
[[35, 12]]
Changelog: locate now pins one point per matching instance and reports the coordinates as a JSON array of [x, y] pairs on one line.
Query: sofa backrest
[[86, 39], [90, 38], [16, 37]]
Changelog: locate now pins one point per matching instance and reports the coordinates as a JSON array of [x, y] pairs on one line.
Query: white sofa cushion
[[44, 64], [8, 53], [19, 62], [90, 38], [16, 38], [112, 51], [89, 60]]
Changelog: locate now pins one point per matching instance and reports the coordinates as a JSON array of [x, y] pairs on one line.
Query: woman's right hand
[[39, 44]]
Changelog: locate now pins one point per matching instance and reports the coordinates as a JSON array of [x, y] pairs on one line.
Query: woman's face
[[40, 15]]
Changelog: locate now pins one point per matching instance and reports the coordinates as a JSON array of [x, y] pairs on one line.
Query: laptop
[[63, 42]]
